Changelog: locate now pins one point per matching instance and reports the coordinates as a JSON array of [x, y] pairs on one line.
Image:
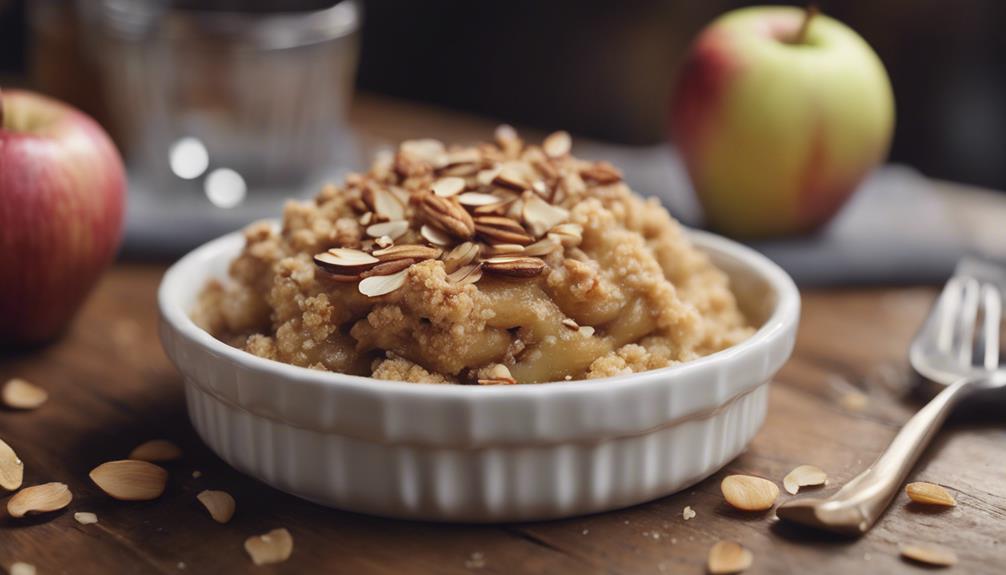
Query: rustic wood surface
[[111, 388]]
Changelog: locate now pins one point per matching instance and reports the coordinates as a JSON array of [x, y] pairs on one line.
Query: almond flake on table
[[933, 555], [275, 546], [22, 568], [804, 476], [727, 557], [130, 480], [156, 450], [929, 494], [749, 493], [39, 499], [11, 468], [18, 393], [85, 517], [220, 504]]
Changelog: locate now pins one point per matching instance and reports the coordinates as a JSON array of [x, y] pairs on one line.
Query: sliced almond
[[586, 330], [85, 518], [540, 216], [935, 555], [542, 247], [383, 202], [497, 250], [384, 242], [156, 450], [465, 275], [426, 149], [461, 255], [376, 286], [727, 557], [478, 199], [22, 568], [571, 323], [510, 177], [39, 499], [275, 546], [20, 394], [602, 172], [448, 215], [568, 234], [499, 374], [486, 177], [804, 476], [501, 230], [393, 229], [435, 236], [388, 268], [508, 140], [514, 266], [130, 479], [220, 504], [464, 156], [11, 468], [749, 493], [345, 260], [449, 186], [929, 494], [410, 251], [557, 144]]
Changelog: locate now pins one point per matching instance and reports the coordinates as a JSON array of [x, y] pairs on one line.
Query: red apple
[[779, 114], [62, 189]]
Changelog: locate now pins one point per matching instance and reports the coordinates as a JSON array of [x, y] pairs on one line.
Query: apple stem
[[808, 15]]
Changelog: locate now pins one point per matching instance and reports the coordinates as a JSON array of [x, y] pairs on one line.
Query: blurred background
[[246, 102]]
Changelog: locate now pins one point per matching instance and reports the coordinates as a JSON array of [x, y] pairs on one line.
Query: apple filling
[[494, 264]]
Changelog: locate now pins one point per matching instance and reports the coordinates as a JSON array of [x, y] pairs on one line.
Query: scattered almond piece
[[220, 504], [729, 557], [130, 480], [11, 468], [749, 493], [376, 286], [39, 499], [934, 555], [272, 547], [85, 517], [156, 450], [929, 494], [20, 394], [688, 513], [804, 476], [21, 568]]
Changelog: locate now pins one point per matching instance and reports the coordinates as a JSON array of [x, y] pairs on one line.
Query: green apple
[[779, 114]]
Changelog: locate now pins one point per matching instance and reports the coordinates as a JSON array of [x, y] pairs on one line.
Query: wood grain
[[112, 388]]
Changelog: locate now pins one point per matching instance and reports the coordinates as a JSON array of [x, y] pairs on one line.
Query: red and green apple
[[779, 114], [62, 188]]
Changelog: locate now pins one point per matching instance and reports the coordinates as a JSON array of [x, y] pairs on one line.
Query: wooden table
[[836, 404]]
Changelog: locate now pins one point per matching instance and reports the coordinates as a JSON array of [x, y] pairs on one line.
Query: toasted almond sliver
[[435, 236], [749, 493], [568, 234], [499, 374], [478, 199], [410, 251], [275, 546], [541, 216], [514, 266], [462, 254], [20, 394], [393, 229], [425, 149], [497, 250], [220, 504], [929, 494], [729, 557], [449, 186], [688, 513], [543, 247], [22, 568], [39, 499], [586, 330], [384, 202], [375, 286], [570, 323], [557, 144], [130, 479], [11, 468], [156, 450], [465, 275], [804, 476], [935, 555], [344, 258], [85, 517]]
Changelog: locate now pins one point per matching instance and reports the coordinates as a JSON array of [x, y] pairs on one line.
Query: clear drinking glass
[[223, 106]]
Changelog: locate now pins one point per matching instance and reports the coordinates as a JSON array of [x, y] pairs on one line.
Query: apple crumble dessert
[[492, 264]]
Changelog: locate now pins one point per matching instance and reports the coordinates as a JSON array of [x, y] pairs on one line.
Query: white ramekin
[[479, 453]]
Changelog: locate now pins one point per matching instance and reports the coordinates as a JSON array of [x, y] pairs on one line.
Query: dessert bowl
[[480, 453]]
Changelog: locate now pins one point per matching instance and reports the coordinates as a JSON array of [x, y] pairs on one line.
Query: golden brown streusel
[[615, 286]]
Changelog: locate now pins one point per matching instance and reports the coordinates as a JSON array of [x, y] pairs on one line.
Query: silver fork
[[958, 349]]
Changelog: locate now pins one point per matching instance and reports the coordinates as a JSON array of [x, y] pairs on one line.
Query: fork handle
[[857, 506]]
